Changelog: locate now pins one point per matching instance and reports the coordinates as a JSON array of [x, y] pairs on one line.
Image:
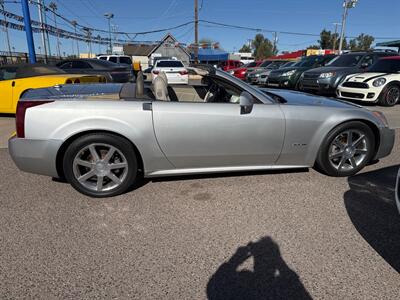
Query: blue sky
[[375, 17]]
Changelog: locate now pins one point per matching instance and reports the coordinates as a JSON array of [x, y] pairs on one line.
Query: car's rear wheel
[[346, 149], [100, 165], [390, 95]]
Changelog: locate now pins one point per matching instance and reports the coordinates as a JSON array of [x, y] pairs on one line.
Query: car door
[[206, 135], [7, 83]]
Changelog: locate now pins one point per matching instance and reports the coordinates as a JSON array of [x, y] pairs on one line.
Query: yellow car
[[16, 79]]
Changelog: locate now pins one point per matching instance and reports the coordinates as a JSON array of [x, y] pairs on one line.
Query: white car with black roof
[[379, 84]]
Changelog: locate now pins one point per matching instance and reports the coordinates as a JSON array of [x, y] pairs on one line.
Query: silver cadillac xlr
[[103, 137]]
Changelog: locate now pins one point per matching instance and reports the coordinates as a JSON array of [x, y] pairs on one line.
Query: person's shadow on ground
[[270, 279], [371, 206]]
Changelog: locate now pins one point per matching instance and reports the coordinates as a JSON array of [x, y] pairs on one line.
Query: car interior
[[207, 88]]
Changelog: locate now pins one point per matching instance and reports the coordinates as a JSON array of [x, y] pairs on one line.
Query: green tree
[[263, 47], [245, 49], [327, 39], [361, 43]]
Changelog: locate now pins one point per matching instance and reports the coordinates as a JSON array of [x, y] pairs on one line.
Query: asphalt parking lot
[[280, 235]]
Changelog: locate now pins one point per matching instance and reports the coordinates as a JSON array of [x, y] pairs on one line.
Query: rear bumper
[[35, 156], [387, 137]]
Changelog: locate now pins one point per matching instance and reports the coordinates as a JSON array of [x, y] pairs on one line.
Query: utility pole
[[89, 40], [347, 4], [334, 36], [6, 29], [28, 31], [74, 23], [42, 29], [275, 42], [53, 7], [196, 31], [109, 16]]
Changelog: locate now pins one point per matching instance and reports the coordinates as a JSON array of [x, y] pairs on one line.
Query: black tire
[[386, 97], [124, 154], [326, 164]]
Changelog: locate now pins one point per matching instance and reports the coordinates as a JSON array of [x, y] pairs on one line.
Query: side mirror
[[364, 65], [246, 103]]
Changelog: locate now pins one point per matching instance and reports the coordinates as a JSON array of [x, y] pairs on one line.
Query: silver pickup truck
[[101, 137]]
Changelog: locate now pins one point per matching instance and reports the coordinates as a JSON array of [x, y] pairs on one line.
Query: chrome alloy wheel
[[348, 150], [393, 95], [100, 167]]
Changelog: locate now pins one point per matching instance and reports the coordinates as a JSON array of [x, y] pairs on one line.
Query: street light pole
[[347, 4], [109, 16], [53, 7], [44, 43], [196, 31], [74, 23]]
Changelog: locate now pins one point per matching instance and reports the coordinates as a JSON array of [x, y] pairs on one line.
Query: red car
[[241, 72], [230, 64]]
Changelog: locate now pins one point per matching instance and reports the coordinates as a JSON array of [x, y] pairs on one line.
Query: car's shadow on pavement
[[371, 206], [271, 277]]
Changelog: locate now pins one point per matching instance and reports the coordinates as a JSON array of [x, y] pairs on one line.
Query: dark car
[[262, 66], [325, 80], [289, 77], [254, 76], [113, 72]]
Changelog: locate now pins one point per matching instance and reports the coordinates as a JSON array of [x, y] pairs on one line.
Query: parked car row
[[371, 76]]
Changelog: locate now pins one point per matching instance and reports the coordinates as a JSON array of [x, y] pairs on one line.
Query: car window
[[8, 73], [169, 64], [251, 65], [103, 57], [78, 64], [368, 60], [125, 60], [65, 65], [113, 59], [346, 60], [386, 66]]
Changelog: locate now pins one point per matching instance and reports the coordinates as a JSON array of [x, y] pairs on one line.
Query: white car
[[380, 84], [118, 59], [174, 70]]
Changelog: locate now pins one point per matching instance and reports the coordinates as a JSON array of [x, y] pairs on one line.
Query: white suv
[[118, 59], [174, 70]]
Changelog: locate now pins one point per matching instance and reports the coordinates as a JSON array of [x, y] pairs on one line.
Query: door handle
[[13, 83], [148, 106]]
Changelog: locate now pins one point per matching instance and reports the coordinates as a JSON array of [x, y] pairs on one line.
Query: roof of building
[[389, 44], [148, 49]]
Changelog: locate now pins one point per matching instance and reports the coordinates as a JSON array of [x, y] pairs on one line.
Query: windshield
[[251, 65], [386, 66], [125, 60], [265, 64], [308, 62], [169, 64], [346, 60]]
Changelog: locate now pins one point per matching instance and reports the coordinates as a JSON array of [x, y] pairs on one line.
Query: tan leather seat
[[160, 87]]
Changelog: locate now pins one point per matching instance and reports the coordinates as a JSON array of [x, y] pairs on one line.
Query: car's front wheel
[[390, 96], [346, 149], [100, 165]]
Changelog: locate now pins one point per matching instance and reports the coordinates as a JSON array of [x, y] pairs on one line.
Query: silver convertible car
[[103, 137]]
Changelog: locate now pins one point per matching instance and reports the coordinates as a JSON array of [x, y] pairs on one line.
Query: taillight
[[156, 72], [77, 80], [22, 106], [183, 72], [69, 81]]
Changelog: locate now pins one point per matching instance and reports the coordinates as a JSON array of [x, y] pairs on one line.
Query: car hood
[[363, 77], [328, 69], [304, 99]]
